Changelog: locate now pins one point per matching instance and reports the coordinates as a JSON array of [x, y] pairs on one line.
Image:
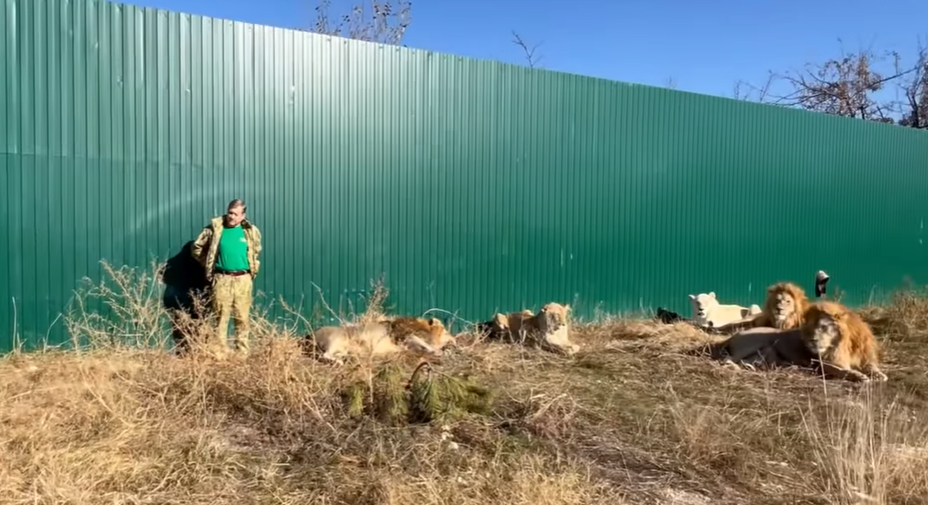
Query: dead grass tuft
[[866, 451], [632, 418], [905, 317]]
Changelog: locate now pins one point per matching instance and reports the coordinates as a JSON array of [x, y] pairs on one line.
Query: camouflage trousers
[[231, 295]]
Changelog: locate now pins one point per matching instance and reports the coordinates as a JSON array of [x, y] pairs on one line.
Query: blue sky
[[704, 46]]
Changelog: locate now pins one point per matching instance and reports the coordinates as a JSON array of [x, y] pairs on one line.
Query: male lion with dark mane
[[831, 336]]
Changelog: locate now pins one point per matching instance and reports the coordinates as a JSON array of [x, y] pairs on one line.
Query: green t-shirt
[[233, 250]]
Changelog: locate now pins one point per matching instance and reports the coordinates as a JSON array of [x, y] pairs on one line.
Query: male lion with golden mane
[[784, 309], [549, 329], [842, 341], [831, 336], [383, 337]]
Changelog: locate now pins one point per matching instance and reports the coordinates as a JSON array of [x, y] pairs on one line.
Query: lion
[[763, 346], [842, 342], [429, 336], [387, 336], [549, 329], [503, 325], [708, 312], [784, 308], [831, 336], [337, 342]]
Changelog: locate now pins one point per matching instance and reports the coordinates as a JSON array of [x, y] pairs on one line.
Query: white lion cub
[[708, 311]]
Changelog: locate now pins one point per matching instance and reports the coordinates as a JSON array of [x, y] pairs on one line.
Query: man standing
[[228, 249]]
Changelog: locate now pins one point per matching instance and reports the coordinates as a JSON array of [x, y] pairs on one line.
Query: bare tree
[[671, 83], [743, 90], [529, 52], [843, 86], [374, 21], [913, 107]]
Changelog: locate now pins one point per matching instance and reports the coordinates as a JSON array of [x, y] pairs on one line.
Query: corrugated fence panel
[[472, 185]]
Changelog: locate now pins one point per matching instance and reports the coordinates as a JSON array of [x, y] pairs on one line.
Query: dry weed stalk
[[867, 451], [906, 317], [121, 311]]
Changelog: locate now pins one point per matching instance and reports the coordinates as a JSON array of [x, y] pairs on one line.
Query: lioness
[[549, 329], [381, 338], [708, 312], [501, 326]]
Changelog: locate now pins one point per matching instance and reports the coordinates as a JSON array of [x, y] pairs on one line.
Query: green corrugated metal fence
[[472, 185]]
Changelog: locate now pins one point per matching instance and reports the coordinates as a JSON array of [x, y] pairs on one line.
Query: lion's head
[[432, 331], [823, 326], [785, 305], [702, 304], [439, 336], [500, 322], [829, 325], [553, 316]]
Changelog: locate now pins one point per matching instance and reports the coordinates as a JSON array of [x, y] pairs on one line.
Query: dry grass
[[634, 417]]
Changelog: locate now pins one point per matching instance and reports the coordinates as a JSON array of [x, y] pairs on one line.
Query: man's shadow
[[185, 280]]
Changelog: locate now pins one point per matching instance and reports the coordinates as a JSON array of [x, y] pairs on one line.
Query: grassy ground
[[633, 418]]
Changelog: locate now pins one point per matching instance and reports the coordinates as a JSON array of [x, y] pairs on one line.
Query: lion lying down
[[416, 335], [832, 338], [709, 313], [549, 329], [784, 308]]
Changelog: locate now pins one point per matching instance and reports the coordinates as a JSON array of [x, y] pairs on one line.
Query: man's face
[[235, 216]]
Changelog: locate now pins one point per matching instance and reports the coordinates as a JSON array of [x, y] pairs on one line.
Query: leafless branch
[[671, 83], [913, 106], [744, 90], [374, 21], [529, 53], [843, 86]]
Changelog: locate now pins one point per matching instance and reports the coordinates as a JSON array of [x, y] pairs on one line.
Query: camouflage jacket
[[206, 246]]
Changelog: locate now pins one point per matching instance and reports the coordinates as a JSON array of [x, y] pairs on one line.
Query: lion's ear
[[692, 297], [711, 294]]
